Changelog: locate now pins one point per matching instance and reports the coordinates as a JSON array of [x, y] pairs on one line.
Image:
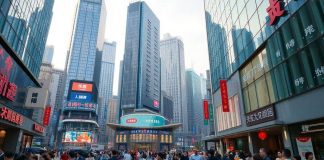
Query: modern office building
[[173, 80], [87, 40], [81, 81], [107, 68], [25, 27], [140, 87], [48, 55], [272, 61], [194, 102], [21, 52]]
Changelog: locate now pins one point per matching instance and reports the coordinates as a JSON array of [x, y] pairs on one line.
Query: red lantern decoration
[[262, 135]]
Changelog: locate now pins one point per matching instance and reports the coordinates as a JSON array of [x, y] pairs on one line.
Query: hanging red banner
[[47, 115], [224, 95], [206, 111]]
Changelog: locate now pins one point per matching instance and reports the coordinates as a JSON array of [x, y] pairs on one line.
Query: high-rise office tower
[[194, 97], [25, 26], [107, 66], [87, 40], [48, 54], [81, 81], [113, 117], [173, 80], [141, 69]]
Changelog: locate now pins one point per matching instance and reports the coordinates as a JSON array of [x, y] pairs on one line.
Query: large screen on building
[[79, 86], [78, 137], [80, 97]]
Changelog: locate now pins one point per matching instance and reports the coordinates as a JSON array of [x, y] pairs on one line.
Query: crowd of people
[[146, 155]]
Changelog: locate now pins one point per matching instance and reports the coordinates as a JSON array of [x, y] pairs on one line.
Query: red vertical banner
[[224, 95], [47, 115], [206, 111]]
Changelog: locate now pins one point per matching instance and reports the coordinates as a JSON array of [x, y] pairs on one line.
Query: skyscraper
[[87, 40], [194, 99], [141, 69], [25, 26], [48, 55], [113, 117], [173, 77], [81, 81], [107, 66]]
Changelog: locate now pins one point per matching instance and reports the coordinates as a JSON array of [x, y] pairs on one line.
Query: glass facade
[[236, 28], [291, 62], [85, 37], [25, 26], [173, 77], [141, 68]]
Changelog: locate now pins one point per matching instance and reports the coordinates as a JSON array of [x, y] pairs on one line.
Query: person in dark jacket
[[114, 155], [264, 155]]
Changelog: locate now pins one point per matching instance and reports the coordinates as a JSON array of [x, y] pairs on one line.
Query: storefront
[[17, 129], [144, 132]]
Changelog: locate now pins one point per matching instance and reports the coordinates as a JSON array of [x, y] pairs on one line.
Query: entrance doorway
[[143, 146]]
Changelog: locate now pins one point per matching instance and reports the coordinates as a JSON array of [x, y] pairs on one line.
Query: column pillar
[[286, 138]]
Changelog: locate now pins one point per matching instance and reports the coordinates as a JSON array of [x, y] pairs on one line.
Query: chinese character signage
[[47, 115], [11, 116], [142, 120], [224, 95], [304, 144], [36, 98], [80, 105], [261, 115], [206, 111], [38, 128], [82, 97], [79, 86], [7, 89], [275, 11]]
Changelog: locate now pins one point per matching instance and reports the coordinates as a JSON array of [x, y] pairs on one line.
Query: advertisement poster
[[304, 145], [78, 137]]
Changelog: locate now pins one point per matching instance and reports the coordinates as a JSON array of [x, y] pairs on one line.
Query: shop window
[[262, 90], [246, 100], [271, 88], [252, 97], [230, 119]]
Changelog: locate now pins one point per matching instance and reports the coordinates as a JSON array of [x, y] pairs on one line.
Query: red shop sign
[[7, 89], [47, 115], [38, 128], [206, 111], [224, 95], [11, 116], [131, 120], [275, 11]]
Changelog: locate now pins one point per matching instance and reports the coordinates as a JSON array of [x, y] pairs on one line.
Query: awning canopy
[[169, 126]]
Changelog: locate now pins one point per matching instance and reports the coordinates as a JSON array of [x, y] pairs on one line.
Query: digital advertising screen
[[83, 87], [78, 137], [80, 97]]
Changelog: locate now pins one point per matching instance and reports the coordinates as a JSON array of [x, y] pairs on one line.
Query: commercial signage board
[[47, 115], [261, 115], [83, 87], [11, 116], [275, 10], [38, 128], [80, 105], [304, 144], [8, 90], [224, 95], [77, 137], [81, 97], [142, 120], [206, 109], [36, 97]]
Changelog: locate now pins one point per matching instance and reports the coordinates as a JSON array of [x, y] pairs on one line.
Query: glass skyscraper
[[107, 66], [25, 26], [87, 40], [272, 60], [141, 67], [173, 80]]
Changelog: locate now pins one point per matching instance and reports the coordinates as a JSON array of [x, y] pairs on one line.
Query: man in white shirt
[[127, 156], [195, 156]]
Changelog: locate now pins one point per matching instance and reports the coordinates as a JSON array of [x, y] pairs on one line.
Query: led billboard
[[83, 87], [77, 137], [80, 97]]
